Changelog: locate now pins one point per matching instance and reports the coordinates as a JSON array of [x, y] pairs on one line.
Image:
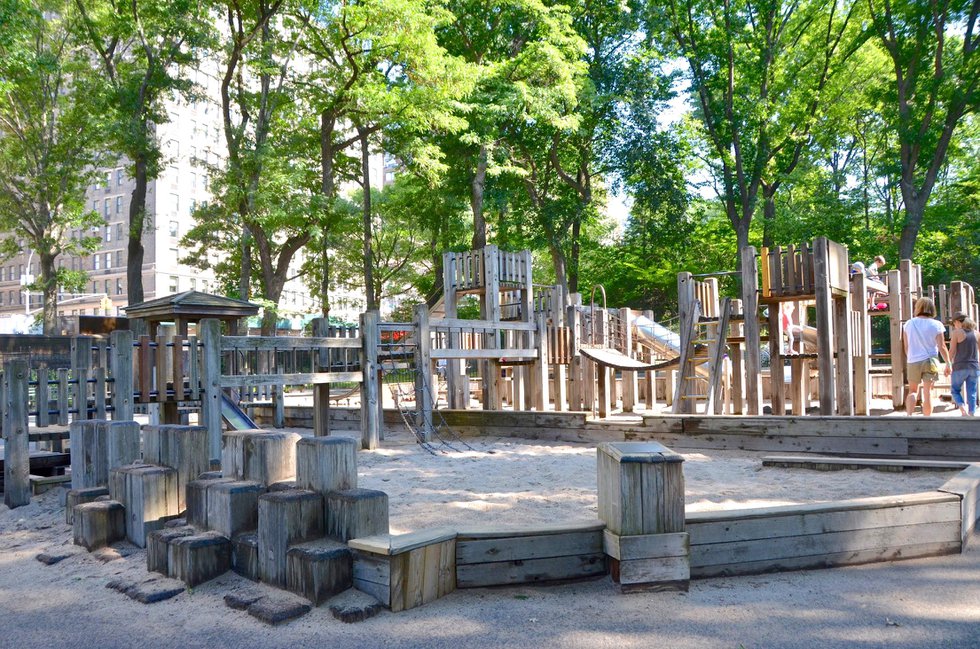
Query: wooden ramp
[[618, 360]]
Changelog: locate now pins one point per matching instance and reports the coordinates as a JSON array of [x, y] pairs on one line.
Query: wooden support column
[[753, 357], [540, 380], [457, 389], [825, 324], [738, 369], [122, 374], [604, 374], [576, 391], [862, 356], [17, 462], [777, 375], [209, 331], [81, 369], [896, 318], [370, 395], [321, 391], [423, 371], [844, 361], [630, 382]]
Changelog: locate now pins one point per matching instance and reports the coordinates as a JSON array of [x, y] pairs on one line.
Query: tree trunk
[[914, 210], [327, 185], [476, 200], [768, 214], [561, 267], [49, 288], [137, 222], [366, 215]]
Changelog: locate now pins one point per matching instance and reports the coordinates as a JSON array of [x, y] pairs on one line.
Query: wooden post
[[540, 380], [777, 375], [81, 365], [370, 421], [753, 357], [575, 365], [630, 381], [121, 342], [321, 391], [17, 462], [844, 365], [735, 354], [457, 393], [825, 323], [490, 310], [896, 317], [862, 358], [209, 331]]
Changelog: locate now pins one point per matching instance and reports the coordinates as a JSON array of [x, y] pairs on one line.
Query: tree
[[144, 50], [932, 47], [758, 70], [51, 141]]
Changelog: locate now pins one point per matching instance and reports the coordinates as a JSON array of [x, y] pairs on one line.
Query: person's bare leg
[[910, 398], [927, 398]]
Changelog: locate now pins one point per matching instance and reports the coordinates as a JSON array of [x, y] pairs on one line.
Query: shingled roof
[[191, 305]]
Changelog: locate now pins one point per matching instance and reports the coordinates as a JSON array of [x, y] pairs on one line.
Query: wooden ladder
[[709, 334]]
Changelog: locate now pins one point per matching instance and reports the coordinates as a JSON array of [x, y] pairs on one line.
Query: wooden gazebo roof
[[191, 306]]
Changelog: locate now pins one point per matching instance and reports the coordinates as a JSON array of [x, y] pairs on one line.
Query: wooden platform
[[880, 464]]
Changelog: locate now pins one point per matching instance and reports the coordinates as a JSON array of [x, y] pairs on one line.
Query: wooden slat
[[267, 343], [310, 378]]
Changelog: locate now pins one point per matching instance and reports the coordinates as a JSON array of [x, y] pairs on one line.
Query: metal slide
[[234, 416], [657, 336]]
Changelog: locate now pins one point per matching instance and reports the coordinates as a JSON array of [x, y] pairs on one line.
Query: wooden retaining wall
[[923, 437], [824, 535]]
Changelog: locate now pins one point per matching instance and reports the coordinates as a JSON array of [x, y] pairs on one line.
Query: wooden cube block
[[199, 558], [355, 513], [245, 555], [259, 456], [76, 497], [196, 500], [649, 562], [98, 524], [233, 507], [318, 570], [99, 446], [408, 570], [149, 494], [158, 547], [286, 518], [641, 488], [183, 448], [326, 463]]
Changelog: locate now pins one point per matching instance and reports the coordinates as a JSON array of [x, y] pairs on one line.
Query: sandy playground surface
[[921, 603]]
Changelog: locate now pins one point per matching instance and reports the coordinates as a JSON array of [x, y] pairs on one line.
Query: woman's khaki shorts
[[920, 371]]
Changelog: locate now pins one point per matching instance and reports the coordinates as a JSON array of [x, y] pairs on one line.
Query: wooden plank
[[145, 364], [194, 368], [270, 343], [63, 391], [469, 551], [303, 378], [497, 531], [446, 324], [655, 570], [966, 486], [121, 343], [16, 466], [99, 392], [646, 546], [800, 461], [545, 570], [209, 330]]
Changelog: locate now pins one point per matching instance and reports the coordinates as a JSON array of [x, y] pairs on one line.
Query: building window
[[174, 283], [95, 287], [96, 261], [205, 286], [193, 283], [95, 206], [119, 231], [119, 262], [193, 207], [108, 260], [108, 233], [119, 177], [105, 204], [118, 204], [175, 200], [3, 273], [1, 299], [108, 285], [119, 286], [108, 180], [174, 229]]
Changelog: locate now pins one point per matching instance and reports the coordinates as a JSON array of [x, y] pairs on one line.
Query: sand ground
[[920, 603]]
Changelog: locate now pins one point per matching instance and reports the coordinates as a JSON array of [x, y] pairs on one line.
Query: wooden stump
[[149, 494], [286, 518], [245, 555], [98, 446], [196, 500], [259, 456], [641, 488], [184, 448], [233, 507], [326, 464], [356, 513], [649, 562], [158, 547], [76, 497], [199, 558], [98, 524], [318, 570]]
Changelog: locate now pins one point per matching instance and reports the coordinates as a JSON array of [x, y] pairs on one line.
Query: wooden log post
[[424, 398], [17, 462], [355, 513], [630, 387], [825, 326], [182, 448], [777, 370], [749, 267], [210, 334], [540, 378], [457, 390], [261, 456], [149, 495], [321, 391], [604, 374], [370, 394], [844, 361], [326, 464], [641, 501], [121, 343], [81, 369], [490, 310], [862, 338], [576, 362], [285, 518], [896, 318]]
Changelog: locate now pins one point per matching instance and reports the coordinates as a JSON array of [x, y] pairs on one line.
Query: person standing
[[965, 352], [873, 270], [924, 338]]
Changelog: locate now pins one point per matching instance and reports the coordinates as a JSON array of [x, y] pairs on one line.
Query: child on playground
[[965, 351], [793, 331], [924, 338]]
